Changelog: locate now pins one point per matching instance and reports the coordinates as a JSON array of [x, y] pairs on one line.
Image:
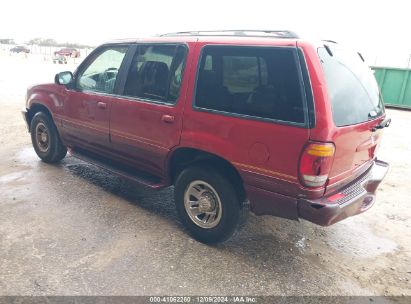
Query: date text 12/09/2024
[[203, 299]]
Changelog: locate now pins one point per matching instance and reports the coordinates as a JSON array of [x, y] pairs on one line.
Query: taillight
[[315, 164]]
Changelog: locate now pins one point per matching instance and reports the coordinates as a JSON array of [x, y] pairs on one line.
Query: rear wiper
[[362, 58], [327, 48], [383, 124]]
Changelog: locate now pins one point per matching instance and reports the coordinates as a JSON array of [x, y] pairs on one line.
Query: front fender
[[48, 95]]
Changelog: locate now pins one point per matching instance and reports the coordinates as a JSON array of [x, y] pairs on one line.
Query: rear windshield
[[351, 85]]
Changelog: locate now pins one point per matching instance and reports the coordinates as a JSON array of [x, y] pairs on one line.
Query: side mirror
[[63, 78]]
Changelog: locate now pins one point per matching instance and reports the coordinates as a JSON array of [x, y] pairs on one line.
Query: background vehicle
[[71, 52], [234, 120], [60, 59], [20, 49]]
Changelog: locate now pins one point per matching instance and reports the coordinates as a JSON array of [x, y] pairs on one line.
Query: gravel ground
[[73, 229]]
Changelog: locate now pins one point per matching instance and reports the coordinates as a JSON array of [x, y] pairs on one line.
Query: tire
[[218, 192], [48, 147]]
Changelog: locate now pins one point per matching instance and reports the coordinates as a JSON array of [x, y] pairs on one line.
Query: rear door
[[249, 108], [356, 107], [145, 123]]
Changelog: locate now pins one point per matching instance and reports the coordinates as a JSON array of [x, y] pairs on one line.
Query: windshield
[[351, 85]]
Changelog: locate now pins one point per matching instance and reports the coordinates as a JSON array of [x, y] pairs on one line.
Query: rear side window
[[156, 72], [352, 88], [254, 81]]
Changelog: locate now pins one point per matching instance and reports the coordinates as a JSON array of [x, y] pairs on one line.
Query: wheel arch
[[184, 157], [36, 107]]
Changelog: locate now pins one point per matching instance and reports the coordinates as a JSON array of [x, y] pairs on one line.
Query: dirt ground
[[73, 229]]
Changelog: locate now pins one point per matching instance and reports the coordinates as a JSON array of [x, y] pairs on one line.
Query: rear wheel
[[45, 139], [207, 204]]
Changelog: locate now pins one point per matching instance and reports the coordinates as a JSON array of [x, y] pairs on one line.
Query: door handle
[[168, 118], [102, 105]]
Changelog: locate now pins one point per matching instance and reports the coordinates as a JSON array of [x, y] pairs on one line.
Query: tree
[[7, 41], [52, 42]]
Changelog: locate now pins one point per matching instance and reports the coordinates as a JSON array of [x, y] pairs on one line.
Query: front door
[[87, 107]]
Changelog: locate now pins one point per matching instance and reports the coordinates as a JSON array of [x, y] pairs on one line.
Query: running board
[[118, 169]]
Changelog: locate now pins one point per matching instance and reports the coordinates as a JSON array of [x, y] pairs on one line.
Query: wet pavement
[[74, 229]]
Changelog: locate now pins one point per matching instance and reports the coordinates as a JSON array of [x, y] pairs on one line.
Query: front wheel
[[45, 139], [207, 204]]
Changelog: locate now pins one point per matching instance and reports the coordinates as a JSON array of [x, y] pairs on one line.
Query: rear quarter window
[[261, 82]]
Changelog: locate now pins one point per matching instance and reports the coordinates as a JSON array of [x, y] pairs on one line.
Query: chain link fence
[[45, 53]]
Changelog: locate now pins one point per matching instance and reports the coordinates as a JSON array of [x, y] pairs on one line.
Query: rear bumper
[[353, 199]]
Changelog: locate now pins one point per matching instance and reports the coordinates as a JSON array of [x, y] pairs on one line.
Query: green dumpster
[[395, 86]]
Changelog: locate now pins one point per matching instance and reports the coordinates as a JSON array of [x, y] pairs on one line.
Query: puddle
[[11, 177], [355, 238], [301, 242], [27, 156], [301, 245]]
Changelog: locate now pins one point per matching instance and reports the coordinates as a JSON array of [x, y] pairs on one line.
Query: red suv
[[259, 120], [70, 52]]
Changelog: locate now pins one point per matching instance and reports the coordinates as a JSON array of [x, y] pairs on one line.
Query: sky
[[376, 28]]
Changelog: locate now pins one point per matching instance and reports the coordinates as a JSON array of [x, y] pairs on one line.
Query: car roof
[[246, 37], [208, 39]]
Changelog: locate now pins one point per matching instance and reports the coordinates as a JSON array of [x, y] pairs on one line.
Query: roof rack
[[247, 33]]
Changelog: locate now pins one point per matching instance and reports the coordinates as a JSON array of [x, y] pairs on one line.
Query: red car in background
[[68, 52]]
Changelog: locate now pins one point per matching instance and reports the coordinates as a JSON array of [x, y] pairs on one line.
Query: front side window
[[254, 81], [101, 74], [156, 72]]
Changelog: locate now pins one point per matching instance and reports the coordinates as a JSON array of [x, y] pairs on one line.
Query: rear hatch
[[357, 108]]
